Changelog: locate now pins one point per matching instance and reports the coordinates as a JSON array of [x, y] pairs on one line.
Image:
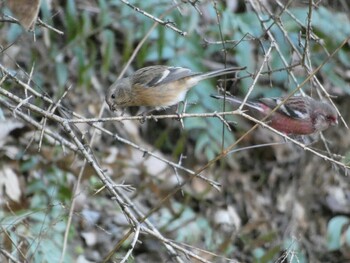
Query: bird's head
[[119, 95], [325, 115]]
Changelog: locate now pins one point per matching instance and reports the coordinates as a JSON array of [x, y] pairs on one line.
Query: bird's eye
[[113, 96], [331, 118]]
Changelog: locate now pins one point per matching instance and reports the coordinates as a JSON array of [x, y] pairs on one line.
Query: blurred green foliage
[[338, 233], [98, 42], [41, 227]]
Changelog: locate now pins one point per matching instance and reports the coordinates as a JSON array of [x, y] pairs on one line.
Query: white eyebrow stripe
[[164, 75]]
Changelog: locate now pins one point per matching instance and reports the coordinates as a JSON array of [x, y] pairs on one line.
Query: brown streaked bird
[[157, 86]]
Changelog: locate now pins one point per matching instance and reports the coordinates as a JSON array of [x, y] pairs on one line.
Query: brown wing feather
[[158, 75]]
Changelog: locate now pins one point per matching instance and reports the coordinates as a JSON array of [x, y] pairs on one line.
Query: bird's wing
[[158, 75], [295, 107]]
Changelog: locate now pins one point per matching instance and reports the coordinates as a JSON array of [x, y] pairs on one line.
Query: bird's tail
[[219, 72], [236, 102]]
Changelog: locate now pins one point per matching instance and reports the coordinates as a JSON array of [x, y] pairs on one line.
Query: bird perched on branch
[[157, 86], [296, 116]]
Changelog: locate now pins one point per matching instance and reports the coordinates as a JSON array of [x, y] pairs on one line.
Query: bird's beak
[[112, 107]]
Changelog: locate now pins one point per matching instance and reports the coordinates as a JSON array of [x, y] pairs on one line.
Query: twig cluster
[[23, 108]]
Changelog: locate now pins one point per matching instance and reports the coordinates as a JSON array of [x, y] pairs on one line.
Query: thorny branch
[[138, 221]]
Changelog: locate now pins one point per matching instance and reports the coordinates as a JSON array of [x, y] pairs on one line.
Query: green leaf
[[202, 141], [108, 52], [71, 20], [295, 254], [335, 230], [61, 73]]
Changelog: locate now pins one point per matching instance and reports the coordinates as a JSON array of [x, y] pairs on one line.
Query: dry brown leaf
[[6, 126], [10, 184], [26, 11]]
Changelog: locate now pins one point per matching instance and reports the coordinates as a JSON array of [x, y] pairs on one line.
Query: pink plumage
[[298, 115]]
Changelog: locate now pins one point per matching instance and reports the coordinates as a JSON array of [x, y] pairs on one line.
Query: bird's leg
[[146, 113], [311, 139], [184, 103], [177, 112]]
